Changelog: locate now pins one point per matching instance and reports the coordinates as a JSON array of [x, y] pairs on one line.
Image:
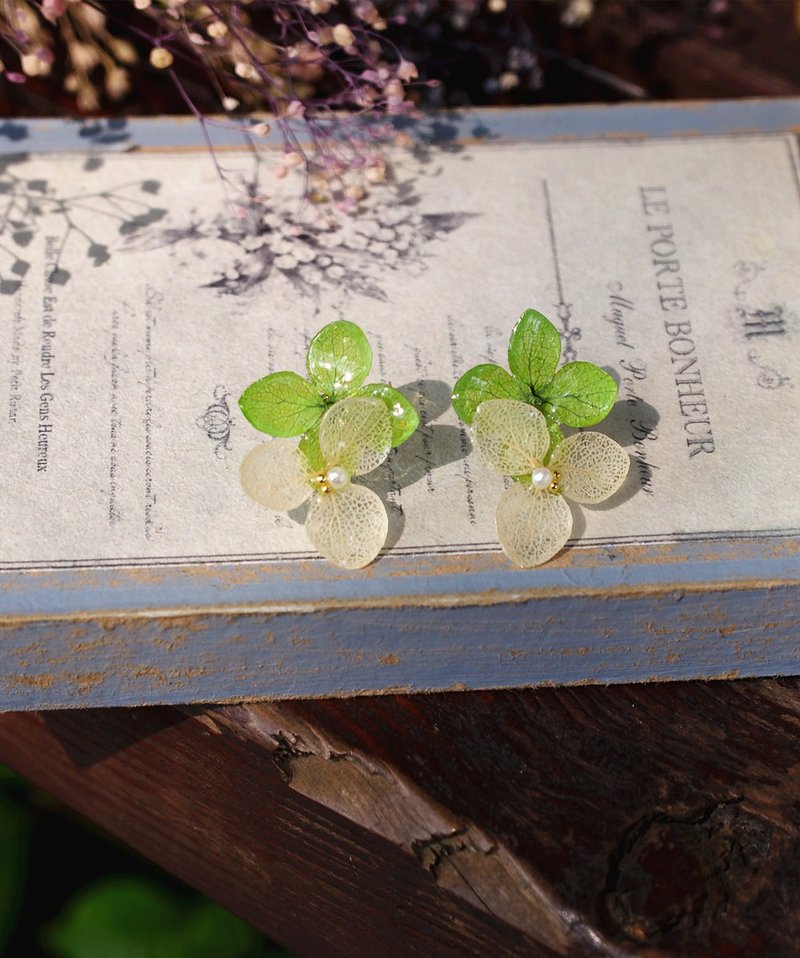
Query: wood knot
[[673, 874]]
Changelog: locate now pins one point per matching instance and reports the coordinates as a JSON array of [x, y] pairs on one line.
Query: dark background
[[624, 50]]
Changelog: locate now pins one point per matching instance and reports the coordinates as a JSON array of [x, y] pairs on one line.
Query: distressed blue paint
[[541, 123], [548, 640], [708, 565]]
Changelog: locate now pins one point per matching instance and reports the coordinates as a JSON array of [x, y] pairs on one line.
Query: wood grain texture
[[457, 642], [652, 821]]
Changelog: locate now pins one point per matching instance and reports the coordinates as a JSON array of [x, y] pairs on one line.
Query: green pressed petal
[[282, 404], [310, 450], [404, 416], [339, 360], [534, 350], [580, 394], [555, 434], [477, 385]]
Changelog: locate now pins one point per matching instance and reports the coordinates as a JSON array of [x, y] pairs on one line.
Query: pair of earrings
[[347, 428]]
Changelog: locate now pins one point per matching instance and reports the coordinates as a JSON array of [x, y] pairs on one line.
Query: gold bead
[[321, 482]]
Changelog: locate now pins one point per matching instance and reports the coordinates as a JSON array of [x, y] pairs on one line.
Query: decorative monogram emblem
[[216, 421]]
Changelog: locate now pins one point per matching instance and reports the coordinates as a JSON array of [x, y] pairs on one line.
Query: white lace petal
[[348, 527], [511, 436], [591, 466], [356, 433], [275, 474], [532, 526]]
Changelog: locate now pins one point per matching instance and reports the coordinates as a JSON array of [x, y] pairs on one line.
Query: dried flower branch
[[314, 66]]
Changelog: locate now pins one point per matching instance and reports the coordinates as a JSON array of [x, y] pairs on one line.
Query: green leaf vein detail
[[579, 394], [339, 360], [282, 404]]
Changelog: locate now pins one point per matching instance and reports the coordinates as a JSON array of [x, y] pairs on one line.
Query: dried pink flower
[[53, 9], [407, 71]]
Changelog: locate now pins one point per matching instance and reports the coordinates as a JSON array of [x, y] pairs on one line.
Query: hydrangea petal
[[356, 433], [532, 526], [348, 527], [275, 474], [591, 466], [511, 436]]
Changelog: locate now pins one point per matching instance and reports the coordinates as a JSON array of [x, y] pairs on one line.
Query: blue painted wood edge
[[409, 579], [550, 640], [533, 123]]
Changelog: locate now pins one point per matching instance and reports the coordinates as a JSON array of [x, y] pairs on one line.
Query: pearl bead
[[337, 477], [541, 478]]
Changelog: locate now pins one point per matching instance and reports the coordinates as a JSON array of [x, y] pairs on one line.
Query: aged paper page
[[136, 302]]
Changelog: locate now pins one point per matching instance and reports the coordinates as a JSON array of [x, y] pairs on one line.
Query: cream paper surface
[[135, 308]]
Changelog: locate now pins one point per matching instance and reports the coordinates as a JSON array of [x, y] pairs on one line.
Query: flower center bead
[[337, 477], [542, 478], [320, 482]]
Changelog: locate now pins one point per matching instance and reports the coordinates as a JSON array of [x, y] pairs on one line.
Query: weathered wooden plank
[[544, 638], [655, 821], [166, 627]]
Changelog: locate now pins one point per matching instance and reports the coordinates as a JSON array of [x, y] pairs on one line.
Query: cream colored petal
[[356, 433], [348, 527], [591, 466], [511, 436], [532, 526], [276, 475]]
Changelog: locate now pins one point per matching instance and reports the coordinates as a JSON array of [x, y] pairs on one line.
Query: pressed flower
[[533, 519], [346, 522]]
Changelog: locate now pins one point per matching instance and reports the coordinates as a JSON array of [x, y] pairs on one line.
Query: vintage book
[[139, 294]]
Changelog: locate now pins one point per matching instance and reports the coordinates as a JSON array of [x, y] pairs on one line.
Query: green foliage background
[[126, 908]]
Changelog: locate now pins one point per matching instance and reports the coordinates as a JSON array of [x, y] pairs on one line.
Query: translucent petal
[[276, 475], [348, 527], [356, 433], [532, 526], [511, 436], [591, 466]]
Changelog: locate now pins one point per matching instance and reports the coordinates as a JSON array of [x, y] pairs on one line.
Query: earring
[[346, 429], [517, 418]]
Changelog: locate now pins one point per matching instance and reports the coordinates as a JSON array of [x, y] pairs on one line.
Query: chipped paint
[[185, 618], [341, 649], [40, 682], [87, 681]]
